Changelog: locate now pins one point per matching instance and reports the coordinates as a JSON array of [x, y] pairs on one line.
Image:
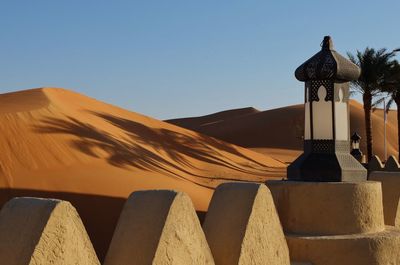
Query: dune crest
[[195, 122], [23, 101], [257, 131]]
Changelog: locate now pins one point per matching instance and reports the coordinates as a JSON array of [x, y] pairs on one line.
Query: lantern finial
[[327, 43], [356, 137]]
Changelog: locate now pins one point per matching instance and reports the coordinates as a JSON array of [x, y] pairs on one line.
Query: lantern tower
[[326, 154]]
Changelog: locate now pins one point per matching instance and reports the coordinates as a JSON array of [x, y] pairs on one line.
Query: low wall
[[157, 227]]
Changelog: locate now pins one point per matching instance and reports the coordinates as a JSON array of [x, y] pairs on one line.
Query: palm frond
[[389, 104], [377, 102], [352, 93]]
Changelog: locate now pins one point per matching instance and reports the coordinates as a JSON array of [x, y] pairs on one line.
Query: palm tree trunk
[[367, 100], [397, 100]]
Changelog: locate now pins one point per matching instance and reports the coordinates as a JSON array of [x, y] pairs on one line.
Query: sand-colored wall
[[158, 227], [379, 248], [391, 195], [336, 223], [336, 208], [242, 226], [38, 231]]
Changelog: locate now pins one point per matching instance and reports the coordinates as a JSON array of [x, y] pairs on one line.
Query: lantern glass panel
[[322, 116], [341, 118]]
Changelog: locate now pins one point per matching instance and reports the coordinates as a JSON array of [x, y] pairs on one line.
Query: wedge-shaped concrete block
[[375, 164], [242, 226], [391, 195], [392, 164], [161, 228], [43, 231]]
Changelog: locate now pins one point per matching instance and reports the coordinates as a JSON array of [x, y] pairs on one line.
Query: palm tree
[[374, 69], [392, 87]]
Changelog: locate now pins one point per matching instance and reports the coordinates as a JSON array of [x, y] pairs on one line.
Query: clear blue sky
[[171, 58]]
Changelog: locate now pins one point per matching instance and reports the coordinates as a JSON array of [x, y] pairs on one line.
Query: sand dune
[[223, 116], [278, 132], [57, 143]]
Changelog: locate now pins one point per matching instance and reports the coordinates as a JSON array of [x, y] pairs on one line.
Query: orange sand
[[278, 132], [57, 143]]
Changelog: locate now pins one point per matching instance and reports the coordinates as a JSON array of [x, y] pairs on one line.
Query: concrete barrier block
[[242, 226], [43, 231], [159, 228], [375, 164], [392, 165], [391, 195]]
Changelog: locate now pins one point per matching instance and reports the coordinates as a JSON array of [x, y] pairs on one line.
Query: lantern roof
[[327, 64], [355, 137]]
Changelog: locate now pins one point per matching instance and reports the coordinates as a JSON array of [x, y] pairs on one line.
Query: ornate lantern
[[326, 154], [355, 146]]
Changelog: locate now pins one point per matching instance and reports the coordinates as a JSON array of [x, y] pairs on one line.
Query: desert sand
[[60, 144], [257, 130]]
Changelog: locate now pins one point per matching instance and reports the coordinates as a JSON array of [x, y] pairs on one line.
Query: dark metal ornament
[[356, 152], [327, 64]]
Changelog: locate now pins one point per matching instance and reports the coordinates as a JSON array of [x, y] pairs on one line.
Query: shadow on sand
[[142, 146]]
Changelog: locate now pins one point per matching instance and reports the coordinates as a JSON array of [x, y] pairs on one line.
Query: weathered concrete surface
[[159, 228], [381, 248], [391, 195], [375, 164], [242, 226], [392, 164], [334, 208], [43, 231]]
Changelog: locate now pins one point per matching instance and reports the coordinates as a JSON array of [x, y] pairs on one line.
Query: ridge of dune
[[194, 122], [23, 100], [258, 131]]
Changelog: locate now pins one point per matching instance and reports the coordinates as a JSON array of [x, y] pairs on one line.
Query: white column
[[341, 118], [322, 117]]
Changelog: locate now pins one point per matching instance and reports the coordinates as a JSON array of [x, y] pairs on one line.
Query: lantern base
[[326, 167], [357, 154]]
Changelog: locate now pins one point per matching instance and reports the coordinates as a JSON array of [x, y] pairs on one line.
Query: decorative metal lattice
[[323, 146], [314, 87]]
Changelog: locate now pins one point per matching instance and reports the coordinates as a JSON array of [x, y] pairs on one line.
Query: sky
[[170, 59]]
